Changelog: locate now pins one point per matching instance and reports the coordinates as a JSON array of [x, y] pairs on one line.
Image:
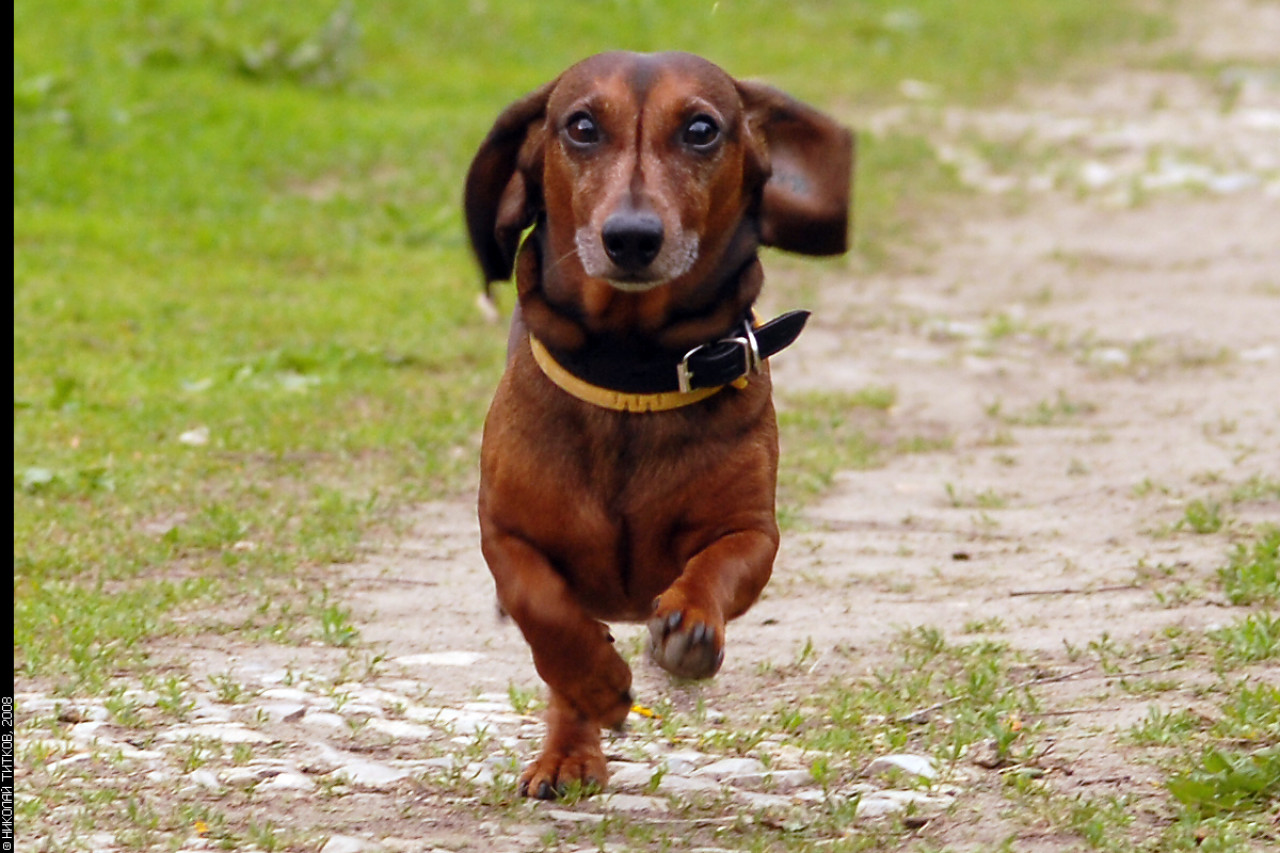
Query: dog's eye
[[582, 130], [701, 132]]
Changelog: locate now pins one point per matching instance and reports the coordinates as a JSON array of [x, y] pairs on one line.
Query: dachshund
[[629, 459]]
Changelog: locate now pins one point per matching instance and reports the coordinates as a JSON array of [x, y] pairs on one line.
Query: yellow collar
[[619, 401]]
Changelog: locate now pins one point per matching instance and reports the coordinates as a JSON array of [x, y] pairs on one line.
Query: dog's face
[[648, 155], [650, 173]]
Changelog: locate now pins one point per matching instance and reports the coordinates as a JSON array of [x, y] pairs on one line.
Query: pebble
[[289, 694], [625, 775], [88, 732], [460, 722], [224, 732], [687, 785], [455, 658], [634, 804], [684, 761], [745, 771], [402, 729], [370, 774], [787, 779], [211, 714], [240, 777], [288, 781], [283, 711], [763, 802], [817, 795], [921, 766], [879, 803], [206, 779], [349, 844], [566, 816], [83, 714], [325, 720]]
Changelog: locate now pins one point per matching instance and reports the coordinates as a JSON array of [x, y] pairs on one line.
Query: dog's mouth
[[635, 283]]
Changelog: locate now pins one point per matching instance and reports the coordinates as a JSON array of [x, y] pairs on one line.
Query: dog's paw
[[557, 772], [686, 642]]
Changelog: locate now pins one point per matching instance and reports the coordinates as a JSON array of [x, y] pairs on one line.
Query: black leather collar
[[709, 365]]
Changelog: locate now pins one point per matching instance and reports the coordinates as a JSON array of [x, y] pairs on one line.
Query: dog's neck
[[569, 316]]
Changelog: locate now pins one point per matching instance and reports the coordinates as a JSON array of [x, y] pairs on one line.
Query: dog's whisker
[[566, 256]]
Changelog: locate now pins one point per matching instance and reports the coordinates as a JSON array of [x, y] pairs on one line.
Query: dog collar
[[666, 383]]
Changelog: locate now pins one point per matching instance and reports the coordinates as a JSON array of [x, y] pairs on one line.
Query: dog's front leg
[[590, 682], [686, 629]]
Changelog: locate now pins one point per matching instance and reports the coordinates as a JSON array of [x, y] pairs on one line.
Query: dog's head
[[645, 169]]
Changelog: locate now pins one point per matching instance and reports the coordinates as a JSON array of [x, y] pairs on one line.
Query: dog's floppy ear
[[504, 184], [808, 160]]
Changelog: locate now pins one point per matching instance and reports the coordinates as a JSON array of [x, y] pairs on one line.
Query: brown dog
[[630, 455]]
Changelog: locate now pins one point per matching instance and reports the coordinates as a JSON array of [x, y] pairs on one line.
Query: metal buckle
[[751, 361], [754, 362]]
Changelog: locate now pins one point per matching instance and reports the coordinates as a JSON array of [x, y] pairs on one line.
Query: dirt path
[[1094, 338]]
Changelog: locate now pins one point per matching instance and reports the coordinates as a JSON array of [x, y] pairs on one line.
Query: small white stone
[[455, 658], [101, 841], [460, 722], [349, 844], [195, 437], [729, 769], [239, 777], [915, 765], [370, 774], [211, 714], [756, 800], [89, 732], [634, 804], [630, 775], [1266, 352], [323, 719], [206, 779], [681, 762], [402, 729], [1110, 355], [289, 694], [566, 816], [687, 785], [880, 803], [787, 779], [225, 732], [83, 714], [283, 712], [288, 781]]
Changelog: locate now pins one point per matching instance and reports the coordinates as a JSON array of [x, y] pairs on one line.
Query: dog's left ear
[[504, 184], [807, 159]]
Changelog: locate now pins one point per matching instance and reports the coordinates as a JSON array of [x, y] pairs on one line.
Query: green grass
[[824, 433], [244, 327], [1250, 576]]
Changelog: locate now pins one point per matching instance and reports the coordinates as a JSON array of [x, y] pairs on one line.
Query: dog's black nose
[[632, 240]]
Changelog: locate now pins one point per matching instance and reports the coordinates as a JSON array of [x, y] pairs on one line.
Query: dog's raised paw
[[685, 646]]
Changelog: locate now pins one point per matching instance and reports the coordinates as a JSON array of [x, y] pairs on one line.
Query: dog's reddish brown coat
[[589, 514]]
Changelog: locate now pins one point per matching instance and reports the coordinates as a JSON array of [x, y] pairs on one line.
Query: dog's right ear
[[504, 184]]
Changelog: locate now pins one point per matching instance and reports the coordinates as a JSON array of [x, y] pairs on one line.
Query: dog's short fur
[[650, 181]]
